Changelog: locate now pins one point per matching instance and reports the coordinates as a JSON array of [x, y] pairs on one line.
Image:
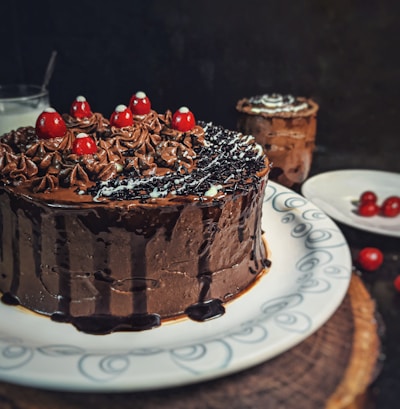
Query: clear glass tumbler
[[20, 105]]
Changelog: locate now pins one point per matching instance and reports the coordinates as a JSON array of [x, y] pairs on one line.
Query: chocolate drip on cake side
[[102, 273], [206, 309], [242, 217], [256, 253], [37, 242], [141, 319], [62, 258], [254, 256], [138, 284], [3, 251], [9, 297], [15, 250], [1, 234], [257, 256]]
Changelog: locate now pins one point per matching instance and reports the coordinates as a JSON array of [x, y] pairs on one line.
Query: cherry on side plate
[[369, 258], [140, 103], [368, 196], [121, 117], [84, 145], [391, 206], [50, 124], [80, 108], [183, 120], [368, 209]]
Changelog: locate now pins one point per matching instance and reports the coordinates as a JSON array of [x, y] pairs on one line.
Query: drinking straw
[[49, 70]]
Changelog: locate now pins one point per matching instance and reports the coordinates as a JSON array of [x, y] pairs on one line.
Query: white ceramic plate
[[337, 192], [310, 274]]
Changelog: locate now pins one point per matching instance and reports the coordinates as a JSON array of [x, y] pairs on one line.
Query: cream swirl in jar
[[274, 103]]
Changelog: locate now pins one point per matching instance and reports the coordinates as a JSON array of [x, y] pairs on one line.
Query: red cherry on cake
[[183, 120], [140, 104], [50, 124], [80, 108], [121, 117], [84, 145]]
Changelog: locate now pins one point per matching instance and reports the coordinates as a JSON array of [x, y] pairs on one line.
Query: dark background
[[208, 54]]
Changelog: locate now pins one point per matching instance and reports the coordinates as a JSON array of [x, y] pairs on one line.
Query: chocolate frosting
[[148, 160]]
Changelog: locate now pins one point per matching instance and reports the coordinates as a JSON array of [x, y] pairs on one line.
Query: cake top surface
[[136, 155], [276, 105]]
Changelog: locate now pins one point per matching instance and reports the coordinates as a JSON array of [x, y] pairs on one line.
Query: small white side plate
[[337, 192]]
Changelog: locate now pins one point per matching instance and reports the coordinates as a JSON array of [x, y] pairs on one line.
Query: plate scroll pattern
[[319, 274]]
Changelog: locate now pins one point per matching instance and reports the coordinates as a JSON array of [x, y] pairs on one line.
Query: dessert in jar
[[285, 126], [121, 223]]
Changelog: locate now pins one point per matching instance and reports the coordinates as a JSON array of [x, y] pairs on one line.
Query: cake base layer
[[127, 267]]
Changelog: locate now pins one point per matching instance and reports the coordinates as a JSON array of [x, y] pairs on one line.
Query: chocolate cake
[[120, 224], [286, 127]]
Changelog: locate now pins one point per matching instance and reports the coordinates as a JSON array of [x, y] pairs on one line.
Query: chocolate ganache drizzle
[[130, 221]]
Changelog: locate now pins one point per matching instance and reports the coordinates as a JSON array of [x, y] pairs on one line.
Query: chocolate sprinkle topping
[[228, 163]]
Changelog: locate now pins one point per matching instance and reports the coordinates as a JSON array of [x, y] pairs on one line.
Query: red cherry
[[183, 120], [80, 108], [121, 117], [50, 124], [370, 258], [368, 196], [396, 283], [368, 209], [84, 145], [140, 104], [391, 206]]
